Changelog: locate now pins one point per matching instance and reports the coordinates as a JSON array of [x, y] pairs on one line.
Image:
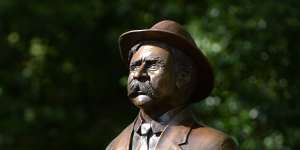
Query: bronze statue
[[167, 72]]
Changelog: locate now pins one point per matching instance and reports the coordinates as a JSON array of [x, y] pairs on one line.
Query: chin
[[141, 101]]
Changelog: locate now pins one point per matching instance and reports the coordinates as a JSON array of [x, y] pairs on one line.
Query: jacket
[[182, 133]]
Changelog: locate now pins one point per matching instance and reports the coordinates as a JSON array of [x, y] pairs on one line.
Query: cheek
[[129, 79], [155, 78], [162, 82]]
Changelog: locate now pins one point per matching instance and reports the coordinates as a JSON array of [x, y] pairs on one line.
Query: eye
[[133, 67], [153, 67]]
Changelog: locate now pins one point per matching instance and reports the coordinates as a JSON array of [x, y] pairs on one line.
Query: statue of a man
[[167, 72]]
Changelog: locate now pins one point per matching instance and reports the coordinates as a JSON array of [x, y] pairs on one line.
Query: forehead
[[151, 52]]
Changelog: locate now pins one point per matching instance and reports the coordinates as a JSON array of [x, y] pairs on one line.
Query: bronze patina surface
[[167, 72]]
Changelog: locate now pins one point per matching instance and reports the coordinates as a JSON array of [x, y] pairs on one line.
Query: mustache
[[136, 88]]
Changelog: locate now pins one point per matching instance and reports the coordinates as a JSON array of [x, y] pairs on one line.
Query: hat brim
[[205, 74]]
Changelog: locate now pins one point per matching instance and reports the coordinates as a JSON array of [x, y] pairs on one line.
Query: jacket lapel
[[176, 133], [123, 141]]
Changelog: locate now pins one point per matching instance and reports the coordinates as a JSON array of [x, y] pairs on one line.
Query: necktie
[[145, 128]]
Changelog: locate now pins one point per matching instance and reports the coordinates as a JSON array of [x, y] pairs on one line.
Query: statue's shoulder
[[122, 139], [211, 138]]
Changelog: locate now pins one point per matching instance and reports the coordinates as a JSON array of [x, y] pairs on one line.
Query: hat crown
[[174, 28]]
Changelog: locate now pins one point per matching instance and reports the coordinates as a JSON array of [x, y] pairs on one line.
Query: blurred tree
[[62, 82]]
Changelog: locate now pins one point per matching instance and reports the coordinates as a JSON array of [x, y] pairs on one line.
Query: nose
[[141, 73]]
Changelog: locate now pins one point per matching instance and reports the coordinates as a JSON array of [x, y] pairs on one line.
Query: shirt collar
[[156, 126]]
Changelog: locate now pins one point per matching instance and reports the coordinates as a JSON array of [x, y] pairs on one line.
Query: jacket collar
[[122, 142], [174, 135], [177, 132]]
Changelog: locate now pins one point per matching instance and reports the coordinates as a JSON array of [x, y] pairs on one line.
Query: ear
[[182, 79]]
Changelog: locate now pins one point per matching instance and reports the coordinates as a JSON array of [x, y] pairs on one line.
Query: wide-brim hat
[[175, 35]]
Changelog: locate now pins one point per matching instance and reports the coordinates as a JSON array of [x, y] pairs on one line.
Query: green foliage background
[[62, 82]]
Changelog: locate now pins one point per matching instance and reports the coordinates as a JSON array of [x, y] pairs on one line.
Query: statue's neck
[[160, 116]]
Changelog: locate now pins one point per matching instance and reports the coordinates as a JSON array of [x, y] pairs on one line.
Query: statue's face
[[151, 81]]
